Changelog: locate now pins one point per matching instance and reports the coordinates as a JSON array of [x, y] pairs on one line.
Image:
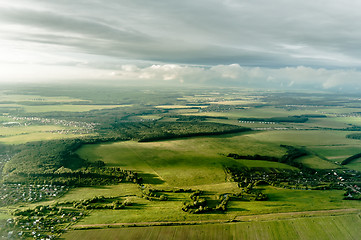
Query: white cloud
[[39, 73], [184, 41], [205, 32], [221, 75], [235, 74]]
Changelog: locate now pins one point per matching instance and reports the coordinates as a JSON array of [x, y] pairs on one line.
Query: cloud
[[253, 33], [236, 75], [288, 43], [219, 75]]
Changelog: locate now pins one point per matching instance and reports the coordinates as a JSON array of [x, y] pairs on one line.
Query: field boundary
[[247, 218]]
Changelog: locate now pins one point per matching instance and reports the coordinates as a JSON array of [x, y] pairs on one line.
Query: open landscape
[[191, 164], [180, 120]]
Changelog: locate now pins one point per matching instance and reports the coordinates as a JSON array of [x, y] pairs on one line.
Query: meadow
[[280, 201], [59, 107], [194, 163], [24, 134], [9, 96], [183, 162], [197, 163]]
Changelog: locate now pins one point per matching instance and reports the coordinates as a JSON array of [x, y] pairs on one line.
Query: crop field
[[329, 227]]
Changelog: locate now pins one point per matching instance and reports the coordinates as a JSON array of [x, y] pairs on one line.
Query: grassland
[[328, 146], [280, 200], [23, 134], [67, 108], [183, 162], [9, 97], [178, 106], [236, 102], [327, 227], [4, 215], [198, 162], [267, 111]]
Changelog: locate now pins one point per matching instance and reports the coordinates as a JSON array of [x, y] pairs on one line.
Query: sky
[[261, 43]]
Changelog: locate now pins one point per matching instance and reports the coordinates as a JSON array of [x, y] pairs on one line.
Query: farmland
[[126, 157], [329, 227]]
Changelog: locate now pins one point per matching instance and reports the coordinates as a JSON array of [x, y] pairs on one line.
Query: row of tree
[[294, 119]]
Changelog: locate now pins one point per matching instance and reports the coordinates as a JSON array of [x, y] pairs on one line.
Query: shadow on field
[[137, 206], [236, 209], [101, 187], [150, 178], [275, 197]]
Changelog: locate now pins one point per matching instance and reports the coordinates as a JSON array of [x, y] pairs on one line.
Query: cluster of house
[[83, 127], [14, 193], [257, 122], [40, 223]]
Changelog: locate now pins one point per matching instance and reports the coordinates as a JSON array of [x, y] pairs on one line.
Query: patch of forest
[[56, 162], [6, 153], [350, 159], [154, 131], [354, 136], [289, 158], [44, 157], [305, 178], [182, 118], [313, 116]]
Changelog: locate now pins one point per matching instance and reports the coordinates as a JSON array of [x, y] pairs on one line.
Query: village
[[16, 193], [78, 127]]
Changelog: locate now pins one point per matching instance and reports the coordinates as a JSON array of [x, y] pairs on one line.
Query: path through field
[[309, 225], [248, 218]]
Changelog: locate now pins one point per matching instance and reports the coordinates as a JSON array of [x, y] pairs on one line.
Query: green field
[[68, 108], [306, 138], [263, 112], [184, 162], [280, 200], [4, 215], [59, 107], [329, 227], [6, 97], [178, 106], [196, 163], [329, 146], [23, 134]]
